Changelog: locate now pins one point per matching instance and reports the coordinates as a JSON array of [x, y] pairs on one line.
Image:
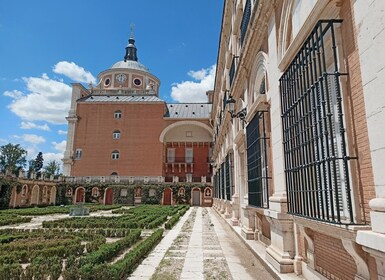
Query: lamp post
[[230, 102]]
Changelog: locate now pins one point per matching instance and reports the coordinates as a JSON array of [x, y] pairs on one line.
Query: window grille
[[314, 140], [257, 165], [228, 178], [216, 187], [223, 181], [232, 71], [245, 20]]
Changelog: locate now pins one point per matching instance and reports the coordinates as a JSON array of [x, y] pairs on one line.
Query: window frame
[[115, 155], [78, 154], [118, 114]]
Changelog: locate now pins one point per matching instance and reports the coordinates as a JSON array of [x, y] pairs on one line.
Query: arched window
[[114, 174], [24, 190], [118, 114], [69, 192], [95, 191], [116, 134], [115, 155]]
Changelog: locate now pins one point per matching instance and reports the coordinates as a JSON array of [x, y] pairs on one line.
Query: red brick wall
[[139, 145], [331, 259], [200, 155], [359, 141]]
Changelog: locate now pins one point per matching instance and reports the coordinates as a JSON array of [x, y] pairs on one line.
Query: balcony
[[180, 159]]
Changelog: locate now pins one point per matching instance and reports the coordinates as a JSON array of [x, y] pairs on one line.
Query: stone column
[[370, 23]]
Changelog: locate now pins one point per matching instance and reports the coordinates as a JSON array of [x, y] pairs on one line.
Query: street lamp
[[230, 102]]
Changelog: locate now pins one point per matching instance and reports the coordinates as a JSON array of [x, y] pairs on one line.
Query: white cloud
[[31, 125], [52, 156], [194, 91], [62, 132], [47, 100], [61, 146], [15, 94], [74, 72], [33, 138]]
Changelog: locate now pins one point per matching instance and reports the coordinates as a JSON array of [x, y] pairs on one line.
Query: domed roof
[[130, 64]]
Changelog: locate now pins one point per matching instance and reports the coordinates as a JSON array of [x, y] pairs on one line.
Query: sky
[[45, 45]]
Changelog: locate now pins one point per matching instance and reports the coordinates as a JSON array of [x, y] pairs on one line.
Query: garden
[[92, 247]]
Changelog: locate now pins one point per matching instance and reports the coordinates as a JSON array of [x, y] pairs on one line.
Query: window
[[257, 171], [222, 182], [314, 137], [228, 177], [123, 192], [114, 174], [78, 153], [115, 155], [118, 114], [171, 155], [116, 134], [245, 20], [95, 191], [189, 155], [189, 177]]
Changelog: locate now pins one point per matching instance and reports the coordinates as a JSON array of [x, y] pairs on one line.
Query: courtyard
[[114, 242]]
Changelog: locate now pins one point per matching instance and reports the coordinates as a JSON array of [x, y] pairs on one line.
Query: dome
[[130, 64]]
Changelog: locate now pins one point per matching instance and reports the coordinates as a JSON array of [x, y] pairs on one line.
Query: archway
[[35, 195], [79, 195], [108, 196], [52, 199], [196, 197], [167, 195]]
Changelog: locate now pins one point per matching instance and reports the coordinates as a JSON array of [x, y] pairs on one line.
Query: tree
[[38, 164], [52, 168], [31, 167], [12, 158]]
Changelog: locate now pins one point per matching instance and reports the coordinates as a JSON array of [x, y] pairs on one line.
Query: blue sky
[[45, 45]]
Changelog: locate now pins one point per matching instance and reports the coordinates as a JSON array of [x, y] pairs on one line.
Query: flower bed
[[49, 210], [81, 244], [13, 219]]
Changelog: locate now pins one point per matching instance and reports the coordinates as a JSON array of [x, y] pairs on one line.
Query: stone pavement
[[201, 246]]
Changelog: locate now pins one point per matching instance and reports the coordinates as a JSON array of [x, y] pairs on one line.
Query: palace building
[[298, 115], [121, 131]]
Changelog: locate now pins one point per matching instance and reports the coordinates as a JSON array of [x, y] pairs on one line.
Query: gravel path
[[201, 246]]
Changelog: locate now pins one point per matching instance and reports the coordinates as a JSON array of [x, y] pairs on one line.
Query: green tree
[[31, 167], [52, 168], [38, 165], [12, 157]]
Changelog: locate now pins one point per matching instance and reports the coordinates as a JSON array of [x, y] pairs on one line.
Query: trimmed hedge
[[13, 219], [108, 251], [127, 265]]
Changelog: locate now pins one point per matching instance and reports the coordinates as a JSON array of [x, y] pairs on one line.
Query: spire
[[131, 48]]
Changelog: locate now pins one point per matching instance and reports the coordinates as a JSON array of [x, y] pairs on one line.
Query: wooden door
[[109, 197], [196, 197], [167, 197]]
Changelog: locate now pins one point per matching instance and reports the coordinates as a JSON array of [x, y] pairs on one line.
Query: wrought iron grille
[[232, 71], [245, 20], [228, 178], [216, 186], [257, 165], [316, 161], [223, 181]]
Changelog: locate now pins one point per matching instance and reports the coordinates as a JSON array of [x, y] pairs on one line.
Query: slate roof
[[120, 98], [189, 110]]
